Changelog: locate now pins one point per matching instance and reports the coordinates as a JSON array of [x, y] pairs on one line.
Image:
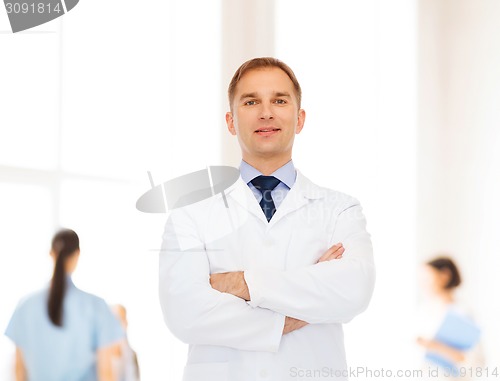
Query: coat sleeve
[[328, 292], [195, 312]]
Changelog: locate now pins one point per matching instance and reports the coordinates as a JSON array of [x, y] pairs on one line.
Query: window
[[90, 102]]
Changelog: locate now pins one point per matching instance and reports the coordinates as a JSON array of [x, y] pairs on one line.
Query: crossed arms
[[252, 310], [234, 283]]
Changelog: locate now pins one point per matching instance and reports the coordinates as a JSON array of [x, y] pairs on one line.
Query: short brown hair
[[262, 63], [446, 264]]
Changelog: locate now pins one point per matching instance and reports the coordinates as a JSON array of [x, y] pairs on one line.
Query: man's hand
[[291, 324], [234, 283], [334, 252], [231, 283]]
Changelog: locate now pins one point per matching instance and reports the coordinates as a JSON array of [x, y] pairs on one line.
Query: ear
[[230, 123], [300, 121]]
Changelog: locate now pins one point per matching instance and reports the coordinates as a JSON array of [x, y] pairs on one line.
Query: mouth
[[267, 131]]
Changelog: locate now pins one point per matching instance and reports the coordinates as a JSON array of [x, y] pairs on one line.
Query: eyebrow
[[248, 95], [281, 94], [254, 95]]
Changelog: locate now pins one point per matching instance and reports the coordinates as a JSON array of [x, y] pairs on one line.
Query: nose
[[266, 112]]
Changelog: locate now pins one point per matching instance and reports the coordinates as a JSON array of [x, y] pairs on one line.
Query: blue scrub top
[[66, 353]]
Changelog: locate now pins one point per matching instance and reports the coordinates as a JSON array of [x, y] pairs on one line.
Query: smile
[[267, 131]]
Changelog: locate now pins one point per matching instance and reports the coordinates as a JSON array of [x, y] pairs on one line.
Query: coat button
[[263, 373]]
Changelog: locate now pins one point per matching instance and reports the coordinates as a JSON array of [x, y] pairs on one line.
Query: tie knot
[[265, 183]]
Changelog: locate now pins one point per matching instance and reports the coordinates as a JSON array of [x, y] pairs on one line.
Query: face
[[434, 280], [265, 115]]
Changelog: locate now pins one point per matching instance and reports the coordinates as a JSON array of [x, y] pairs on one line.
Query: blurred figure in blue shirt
[[62, 333], [449, 334]]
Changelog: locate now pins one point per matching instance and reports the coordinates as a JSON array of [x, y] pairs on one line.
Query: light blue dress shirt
[[66, 353], [286, 174]]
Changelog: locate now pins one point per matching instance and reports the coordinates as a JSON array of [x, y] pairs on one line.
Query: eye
[[250, 103], [280, 101]]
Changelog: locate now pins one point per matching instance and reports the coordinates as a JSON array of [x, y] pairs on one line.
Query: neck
[[267, 165], [446, 296]]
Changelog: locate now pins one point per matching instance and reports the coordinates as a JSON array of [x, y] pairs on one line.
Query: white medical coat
[[231, 339]]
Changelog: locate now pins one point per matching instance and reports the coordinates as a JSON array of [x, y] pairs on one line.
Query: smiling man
[[260, 287], [265, 115]]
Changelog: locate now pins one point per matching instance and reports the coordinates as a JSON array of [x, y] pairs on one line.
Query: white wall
[[88, 104], [458, 148]]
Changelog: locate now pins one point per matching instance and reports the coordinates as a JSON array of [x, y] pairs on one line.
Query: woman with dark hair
[[451, 336], [62, 333]]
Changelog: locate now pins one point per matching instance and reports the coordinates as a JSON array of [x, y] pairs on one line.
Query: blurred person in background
[[62, 333], [125, 358], [449, 334]]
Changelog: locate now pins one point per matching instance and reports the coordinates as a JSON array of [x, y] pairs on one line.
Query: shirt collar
[[286, 174]]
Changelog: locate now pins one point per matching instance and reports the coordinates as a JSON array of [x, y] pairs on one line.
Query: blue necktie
[[265, 184]]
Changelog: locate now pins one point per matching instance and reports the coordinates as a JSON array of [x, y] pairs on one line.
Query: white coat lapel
[[299, 195], [241, 193]]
